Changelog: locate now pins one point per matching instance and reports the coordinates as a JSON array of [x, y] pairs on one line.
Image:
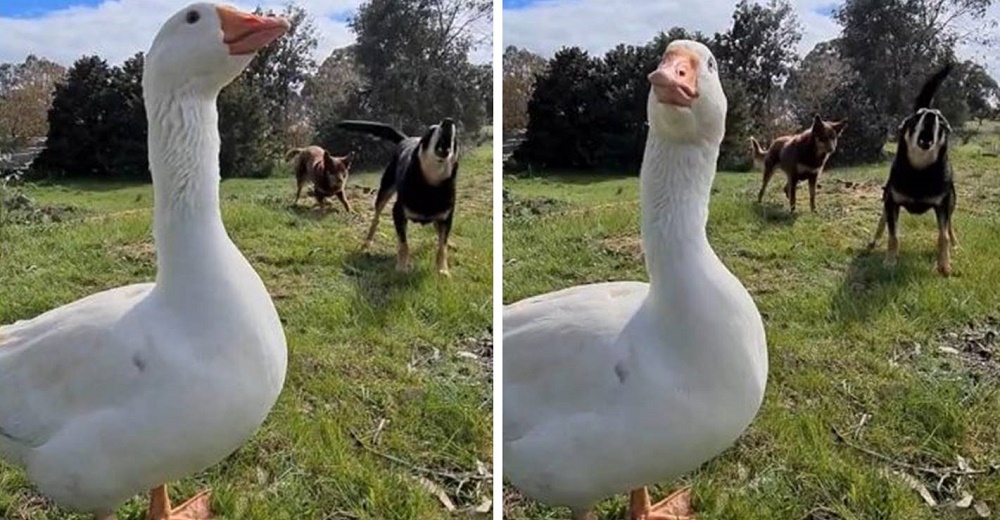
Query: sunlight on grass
[[853, 345], [401, 362]]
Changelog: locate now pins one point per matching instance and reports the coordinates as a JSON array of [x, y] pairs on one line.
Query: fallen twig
[[927, 470], [456, 477]]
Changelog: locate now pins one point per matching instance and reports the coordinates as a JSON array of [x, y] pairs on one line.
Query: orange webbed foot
[[198, 507], [677, 506]]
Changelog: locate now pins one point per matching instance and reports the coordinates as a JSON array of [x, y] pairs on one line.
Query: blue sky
[[544, 26], [32, 8], [64, 30]]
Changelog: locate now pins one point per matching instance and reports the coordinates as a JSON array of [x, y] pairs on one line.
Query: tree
[[979, 90], [563, 125], [413, 55], [25, 96], [758, 53], [520, 69], [126, 121], [76, 121], [280, 70], [820, 73], [248, 149], [892, 46]]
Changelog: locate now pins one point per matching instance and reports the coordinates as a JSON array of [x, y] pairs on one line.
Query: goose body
[[610, 387], [131, 388]]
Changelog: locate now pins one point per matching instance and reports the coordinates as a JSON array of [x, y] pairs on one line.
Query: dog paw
[[445, 273], [403, 268], [944, 269], [890, 261]]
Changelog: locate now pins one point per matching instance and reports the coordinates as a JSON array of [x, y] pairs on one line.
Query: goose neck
[[676, 183], [184, 161]]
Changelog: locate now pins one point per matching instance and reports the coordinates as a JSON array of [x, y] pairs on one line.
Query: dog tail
[[380, 130], [755, 148], [293, 153], [930, 88]]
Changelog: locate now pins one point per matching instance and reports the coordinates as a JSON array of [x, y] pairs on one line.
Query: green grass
[[853, 345], [372, 353]]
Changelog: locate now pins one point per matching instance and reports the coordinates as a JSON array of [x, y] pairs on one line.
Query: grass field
[[903, 363], [382, 365]]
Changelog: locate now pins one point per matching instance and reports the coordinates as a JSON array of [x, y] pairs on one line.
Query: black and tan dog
[[422, 174], [328, 174], [921, 177], [801, 156]]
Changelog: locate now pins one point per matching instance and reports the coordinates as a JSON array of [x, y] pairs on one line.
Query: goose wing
[[67, 363]]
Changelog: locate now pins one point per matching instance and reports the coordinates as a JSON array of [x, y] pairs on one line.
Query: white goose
[[131, 388], [613, 386]]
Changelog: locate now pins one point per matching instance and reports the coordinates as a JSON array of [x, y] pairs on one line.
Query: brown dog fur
[[328, 174], [801, 156]]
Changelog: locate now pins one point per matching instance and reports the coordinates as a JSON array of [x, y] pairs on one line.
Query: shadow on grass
[[577, 178], [91, 186], [313, 212], [869, 285], [773, 214], [378, 282]]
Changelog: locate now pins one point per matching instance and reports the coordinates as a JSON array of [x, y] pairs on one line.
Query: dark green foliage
[[82, 136], [565, 111], [409, 68], [127, 120], [891, 47], [589, 112], [248, 147], [97, 123], [756, 55]]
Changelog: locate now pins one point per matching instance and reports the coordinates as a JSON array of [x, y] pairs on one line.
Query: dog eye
[[711, 64], [192, 17]]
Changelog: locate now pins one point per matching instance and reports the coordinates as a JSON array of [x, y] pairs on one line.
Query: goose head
[[686, 102], [203, 47]]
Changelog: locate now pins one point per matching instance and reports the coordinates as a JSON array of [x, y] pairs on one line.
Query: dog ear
[[946, 125], [348, 159], [902, 126], [817, 123], [839, 126]]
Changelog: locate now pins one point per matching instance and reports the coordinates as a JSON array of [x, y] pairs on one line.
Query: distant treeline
[[585, 112], [409, 66]]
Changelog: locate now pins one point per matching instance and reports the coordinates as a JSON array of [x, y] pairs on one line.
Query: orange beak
[[675, 81], [246, 33]]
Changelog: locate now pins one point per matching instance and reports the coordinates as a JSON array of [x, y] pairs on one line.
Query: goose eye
[[193, 17]]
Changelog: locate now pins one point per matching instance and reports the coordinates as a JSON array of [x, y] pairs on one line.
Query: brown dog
[[801, 156], [328, 174]]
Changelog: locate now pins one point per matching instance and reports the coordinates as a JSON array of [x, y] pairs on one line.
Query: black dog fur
[[422, 174], [921, 177]]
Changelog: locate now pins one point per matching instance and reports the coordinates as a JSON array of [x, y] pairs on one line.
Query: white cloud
[[599, 25], [117, 29]]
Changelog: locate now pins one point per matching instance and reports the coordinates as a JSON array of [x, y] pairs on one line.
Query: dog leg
[[878, 231], [403, 253], [944, 244], [790, 190], [951, 235], [812, 193], [768, 173], [443, 229], [891, 219], [343, 200], [298, 193], [380, 201]]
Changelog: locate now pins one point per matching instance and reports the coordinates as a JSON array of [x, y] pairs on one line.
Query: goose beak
[[247, 33], [675, 81]]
